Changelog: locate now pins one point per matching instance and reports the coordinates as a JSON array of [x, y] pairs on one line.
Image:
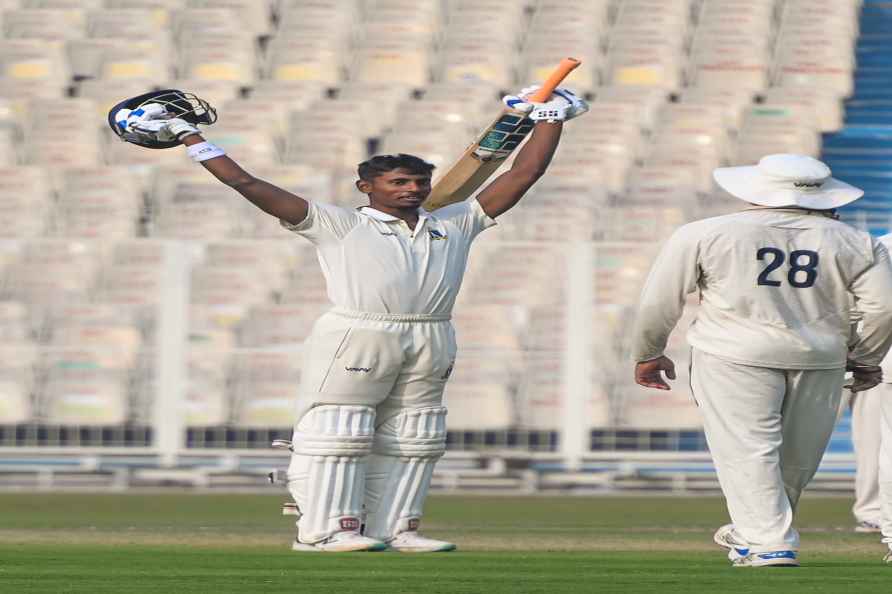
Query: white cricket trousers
[[767, 430], [866, 441], [390, 362], [886, 462]]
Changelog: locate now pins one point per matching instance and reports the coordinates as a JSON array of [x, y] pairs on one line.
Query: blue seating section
[[861, 153]]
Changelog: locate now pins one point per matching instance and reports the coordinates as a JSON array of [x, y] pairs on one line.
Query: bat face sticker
[[504, 136]]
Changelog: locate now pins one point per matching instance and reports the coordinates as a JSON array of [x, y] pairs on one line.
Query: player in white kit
[[872, 438], [371, 423], [771, 340]]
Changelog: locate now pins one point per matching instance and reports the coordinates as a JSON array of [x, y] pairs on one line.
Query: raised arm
[[534, 158], [271, 199], [529, 165]]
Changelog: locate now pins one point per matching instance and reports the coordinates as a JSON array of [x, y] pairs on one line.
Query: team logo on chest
[[436, 235]]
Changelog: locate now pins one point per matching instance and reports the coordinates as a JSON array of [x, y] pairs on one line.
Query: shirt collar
[[388, 218]]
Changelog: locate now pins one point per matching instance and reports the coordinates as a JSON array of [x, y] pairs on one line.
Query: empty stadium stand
[[105, 248]]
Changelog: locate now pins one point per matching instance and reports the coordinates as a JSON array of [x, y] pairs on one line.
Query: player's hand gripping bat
[[492, 147]]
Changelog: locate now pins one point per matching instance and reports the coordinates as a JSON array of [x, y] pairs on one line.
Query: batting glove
[[864, 377], [163, 130], [562, 106]]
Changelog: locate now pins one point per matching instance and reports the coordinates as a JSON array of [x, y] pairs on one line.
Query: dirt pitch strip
[[215, 543]]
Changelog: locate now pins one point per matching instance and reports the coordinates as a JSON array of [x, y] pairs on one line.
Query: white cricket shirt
[[373, 262], [776, 290], [886, 240]]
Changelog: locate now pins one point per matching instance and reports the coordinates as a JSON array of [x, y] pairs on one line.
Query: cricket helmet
[[176, 103]]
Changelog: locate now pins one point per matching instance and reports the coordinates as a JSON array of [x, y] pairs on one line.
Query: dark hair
[[369, 170]]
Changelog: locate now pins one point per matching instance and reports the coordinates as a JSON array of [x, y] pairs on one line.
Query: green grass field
[[209, 543]]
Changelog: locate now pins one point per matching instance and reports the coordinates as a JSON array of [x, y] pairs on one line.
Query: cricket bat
[[492, 147]]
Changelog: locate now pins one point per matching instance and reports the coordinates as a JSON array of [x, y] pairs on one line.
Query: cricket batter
[[771, 340], [370, 417]]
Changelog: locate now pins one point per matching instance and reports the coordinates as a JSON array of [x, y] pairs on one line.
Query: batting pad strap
[[334, 430], [415, 433], [202, 151]]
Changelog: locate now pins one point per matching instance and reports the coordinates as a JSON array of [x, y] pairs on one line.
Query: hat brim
[[748, 183]]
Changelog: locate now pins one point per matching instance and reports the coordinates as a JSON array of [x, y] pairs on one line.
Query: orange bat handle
[[554, 79]]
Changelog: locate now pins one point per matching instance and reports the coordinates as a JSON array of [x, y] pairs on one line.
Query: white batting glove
[[562, 106], [163, 130]]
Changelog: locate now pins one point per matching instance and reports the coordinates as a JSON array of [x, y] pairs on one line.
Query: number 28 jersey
[[776, 290]]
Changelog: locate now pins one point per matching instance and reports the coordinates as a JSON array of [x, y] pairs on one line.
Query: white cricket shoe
[[740, 556], [412, 542], [771, 559], [340, 542], [737, 548], [888, 557], [867, 527]]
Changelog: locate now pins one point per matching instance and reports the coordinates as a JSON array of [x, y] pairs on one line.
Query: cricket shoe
[[888, 557], [770, 559], [867, 527], [412, 542], [340, 542], [725, 536]]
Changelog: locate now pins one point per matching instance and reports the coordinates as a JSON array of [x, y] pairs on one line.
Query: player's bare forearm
[[269, 198], [529, 165]]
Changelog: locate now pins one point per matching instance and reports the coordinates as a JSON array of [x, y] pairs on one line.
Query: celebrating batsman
[[771, 340], [370, 421]]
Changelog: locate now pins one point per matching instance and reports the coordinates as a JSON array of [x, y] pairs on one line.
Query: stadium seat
[[132, 23], [828, 107], [195, 22], [394, 63], [15, 401], [477, 61], [15, 324], [222, 285], [247, 140], [105, 96], [541, 394], [296, 59], [731, 100], [326, 137], [620, 270], [293, 95], [479, 407], [37, 67], [647, 102], [47, 272], [48, 24], [25, 202], [642, 223], [115, 59], [91, 399], [279, 325], [268, 404], [255, 16], [160, 10], [205, 210], [307, 284], [218, 56], [207, 402], [97, 203], [215, 91], [79, 147]]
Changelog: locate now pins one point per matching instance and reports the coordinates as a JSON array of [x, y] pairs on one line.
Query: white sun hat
[[787, 180]]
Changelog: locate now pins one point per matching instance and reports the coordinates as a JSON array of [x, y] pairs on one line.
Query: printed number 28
[[802, 262]]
